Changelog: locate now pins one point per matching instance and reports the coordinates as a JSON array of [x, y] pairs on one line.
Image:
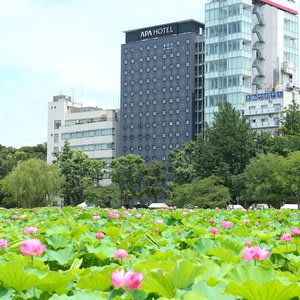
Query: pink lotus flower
[[255, 253], [130, 280], [32, 247], [115, 216], [123, 207], [23, 216], [30, 230], [295, 215], [159, 222], [226, 224], [212, 220], [125, 213], [214, 230], [121, 253], [14, 217], [295, 231], [138, 216], [3, 243], [286, 237], [95, 217], [246, 221], [110, 213], [100, 235]]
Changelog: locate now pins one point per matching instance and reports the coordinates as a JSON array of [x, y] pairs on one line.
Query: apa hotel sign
[[158, 31], [151, 32]]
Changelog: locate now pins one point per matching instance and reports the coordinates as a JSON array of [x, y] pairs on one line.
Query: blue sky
[[70, 47]]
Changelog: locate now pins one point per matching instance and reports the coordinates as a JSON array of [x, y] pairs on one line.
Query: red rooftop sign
[[279, 6]]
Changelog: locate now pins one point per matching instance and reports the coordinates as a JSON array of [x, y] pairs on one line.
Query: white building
[[265, 109], [89, 129], [251, 45]]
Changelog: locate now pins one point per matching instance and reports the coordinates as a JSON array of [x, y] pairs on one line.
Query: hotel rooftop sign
[[164, 30], [152, 32]]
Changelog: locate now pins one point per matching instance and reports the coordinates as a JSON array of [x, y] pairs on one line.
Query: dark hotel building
[[162, 88]]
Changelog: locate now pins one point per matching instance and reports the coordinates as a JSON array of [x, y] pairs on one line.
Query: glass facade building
[[228, 54], [251, 46]]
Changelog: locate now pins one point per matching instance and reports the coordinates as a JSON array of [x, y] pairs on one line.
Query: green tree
[[79, 173], [183, 170], [223, 151], [126, 174], [154, 181], [291, 119], [292, 176], [103, 196], [263, 180], [9, 156], [31, 183], [205, 193]]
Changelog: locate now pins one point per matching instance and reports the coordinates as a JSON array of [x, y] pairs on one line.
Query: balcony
[[261, 125]]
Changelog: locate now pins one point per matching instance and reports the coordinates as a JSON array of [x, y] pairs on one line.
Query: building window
[[56, 138], [57, 124]]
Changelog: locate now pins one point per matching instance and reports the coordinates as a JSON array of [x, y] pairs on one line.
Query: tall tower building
[[228, 58], [161, 88], [251, 46]]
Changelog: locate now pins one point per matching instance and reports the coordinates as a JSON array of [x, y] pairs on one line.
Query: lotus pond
[[95, 253]]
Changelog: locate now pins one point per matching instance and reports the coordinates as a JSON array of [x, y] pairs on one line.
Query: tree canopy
[[31, 183], [79, 173], [205, 193]]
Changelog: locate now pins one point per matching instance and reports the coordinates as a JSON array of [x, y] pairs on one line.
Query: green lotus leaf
[[204, 291], [57, 241], [274, 290], [224, 254], [6, 294], [56, 282], [156, 282], [202, 245], [62, 256], [184, 273], [13, 276], [95, 281]]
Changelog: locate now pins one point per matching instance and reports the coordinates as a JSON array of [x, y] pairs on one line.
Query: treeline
[[233, 162], [230, 163]]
